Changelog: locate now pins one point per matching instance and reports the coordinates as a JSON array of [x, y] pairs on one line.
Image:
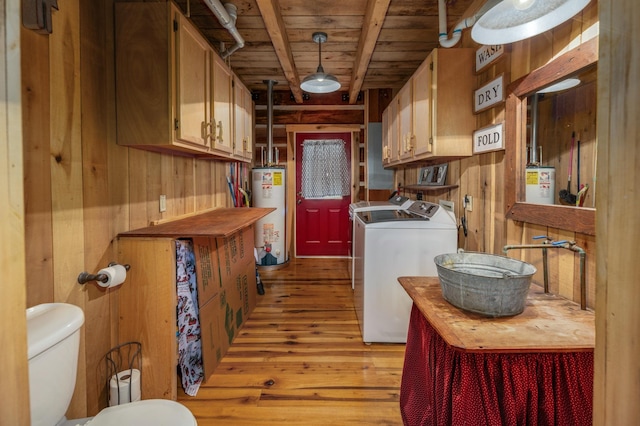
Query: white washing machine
[[397, 202], [390, 244]]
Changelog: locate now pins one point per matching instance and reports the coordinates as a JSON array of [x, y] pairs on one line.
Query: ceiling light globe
[[523, 4], [320, 82], [325, 84], [509, 21]]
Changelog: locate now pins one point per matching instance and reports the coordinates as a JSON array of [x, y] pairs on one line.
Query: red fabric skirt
[[445, 386]]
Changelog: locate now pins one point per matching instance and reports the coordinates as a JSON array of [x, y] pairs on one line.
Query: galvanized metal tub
[[487, 284]]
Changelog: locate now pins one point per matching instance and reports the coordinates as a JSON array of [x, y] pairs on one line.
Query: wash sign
[[487, 55], [489, 95], [488, 139]]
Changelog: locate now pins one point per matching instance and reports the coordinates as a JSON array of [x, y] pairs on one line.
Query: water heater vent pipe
[[270, 84]]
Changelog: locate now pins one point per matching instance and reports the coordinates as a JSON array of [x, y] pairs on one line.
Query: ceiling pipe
[[443, 35], [227, 16]]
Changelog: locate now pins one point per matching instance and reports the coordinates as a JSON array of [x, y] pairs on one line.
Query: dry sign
[[488, 139], [489, 95]]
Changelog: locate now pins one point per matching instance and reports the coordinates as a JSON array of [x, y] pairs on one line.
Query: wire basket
[[123, 365]]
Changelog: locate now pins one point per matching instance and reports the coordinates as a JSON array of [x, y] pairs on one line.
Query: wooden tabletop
[[548, 324], [216, 223]]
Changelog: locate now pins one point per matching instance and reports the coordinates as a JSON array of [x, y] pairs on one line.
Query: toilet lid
[[157, 412]]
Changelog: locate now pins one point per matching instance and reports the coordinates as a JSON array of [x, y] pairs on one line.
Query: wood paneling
[[14, 391], [81, 188], [617, 381], [67, 202], [37, 167], [95, 193], [136, 179]]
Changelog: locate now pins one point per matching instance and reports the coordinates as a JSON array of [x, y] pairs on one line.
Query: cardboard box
[[237, 300], [207, 269], [214, 342], [224, 315], [234, 252]]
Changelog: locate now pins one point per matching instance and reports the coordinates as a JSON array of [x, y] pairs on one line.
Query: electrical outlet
[[163, 203], [468, 203]]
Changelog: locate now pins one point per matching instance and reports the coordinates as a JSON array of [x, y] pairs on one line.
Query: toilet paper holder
[[85, 277], [123, 373]]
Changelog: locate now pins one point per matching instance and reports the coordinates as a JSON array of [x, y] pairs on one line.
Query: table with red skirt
[[462, 368]]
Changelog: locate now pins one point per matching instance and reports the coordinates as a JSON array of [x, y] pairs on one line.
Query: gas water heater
[[269, 190]]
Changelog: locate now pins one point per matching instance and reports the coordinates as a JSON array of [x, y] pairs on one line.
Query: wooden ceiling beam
[[373, 20], [270, 11]]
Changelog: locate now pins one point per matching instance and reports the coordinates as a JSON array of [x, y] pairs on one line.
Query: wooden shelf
[[429, 188], [220, 222]]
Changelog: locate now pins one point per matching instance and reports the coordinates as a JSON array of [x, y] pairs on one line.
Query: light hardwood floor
[[300, 360]]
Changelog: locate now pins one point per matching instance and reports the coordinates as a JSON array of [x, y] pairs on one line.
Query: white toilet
[[53, 342]]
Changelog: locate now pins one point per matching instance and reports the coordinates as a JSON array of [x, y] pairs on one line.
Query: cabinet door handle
[[205, 132], [219, 126]]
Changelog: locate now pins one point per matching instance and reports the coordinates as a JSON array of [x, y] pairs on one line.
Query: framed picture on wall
[[433, 175]]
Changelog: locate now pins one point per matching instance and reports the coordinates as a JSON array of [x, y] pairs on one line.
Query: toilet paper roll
[[116, 275], [126, 384]]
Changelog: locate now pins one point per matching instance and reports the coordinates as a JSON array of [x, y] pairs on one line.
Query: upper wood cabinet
[[173, 92], [243, 122], [406, 121], [422, 96], [435, 108], [222, 107], [390, 134], [193, 88]]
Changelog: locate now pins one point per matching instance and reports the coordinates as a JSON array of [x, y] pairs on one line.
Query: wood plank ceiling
[[371, 44]]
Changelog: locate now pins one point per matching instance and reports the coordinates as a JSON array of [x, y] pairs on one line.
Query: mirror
[[561, 142], [554, 136]]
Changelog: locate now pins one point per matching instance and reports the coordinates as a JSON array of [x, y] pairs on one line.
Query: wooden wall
[[13, 360], [482, 176], [81, 188], [617, 376]]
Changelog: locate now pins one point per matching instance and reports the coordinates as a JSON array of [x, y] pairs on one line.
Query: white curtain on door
[[325, 169]]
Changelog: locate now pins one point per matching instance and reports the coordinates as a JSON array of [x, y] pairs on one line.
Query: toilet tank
[[53, 342]]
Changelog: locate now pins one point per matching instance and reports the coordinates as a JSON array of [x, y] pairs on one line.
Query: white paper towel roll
[[116, 275], [126, 381]]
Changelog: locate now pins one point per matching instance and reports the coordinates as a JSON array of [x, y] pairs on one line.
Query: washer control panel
[[423, 208]]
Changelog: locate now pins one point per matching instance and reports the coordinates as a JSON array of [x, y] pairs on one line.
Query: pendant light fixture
[[320, 82], [515, 20]]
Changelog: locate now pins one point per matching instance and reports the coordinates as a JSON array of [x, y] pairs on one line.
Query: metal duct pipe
[[533, 155], [270, 84], [227, 16]]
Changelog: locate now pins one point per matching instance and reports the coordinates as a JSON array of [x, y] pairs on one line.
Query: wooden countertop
[[216, 223], [548, 324]]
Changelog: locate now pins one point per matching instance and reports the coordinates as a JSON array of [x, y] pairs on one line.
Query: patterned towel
[[189, 344]]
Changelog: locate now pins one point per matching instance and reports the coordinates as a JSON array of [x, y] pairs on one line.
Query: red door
[[322, 224]]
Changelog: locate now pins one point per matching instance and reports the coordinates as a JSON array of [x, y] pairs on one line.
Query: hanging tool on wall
[[230, 184], [582, 189], [565, 195]]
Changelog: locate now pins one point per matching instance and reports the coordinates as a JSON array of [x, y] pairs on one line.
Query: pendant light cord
[[320, 69]]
